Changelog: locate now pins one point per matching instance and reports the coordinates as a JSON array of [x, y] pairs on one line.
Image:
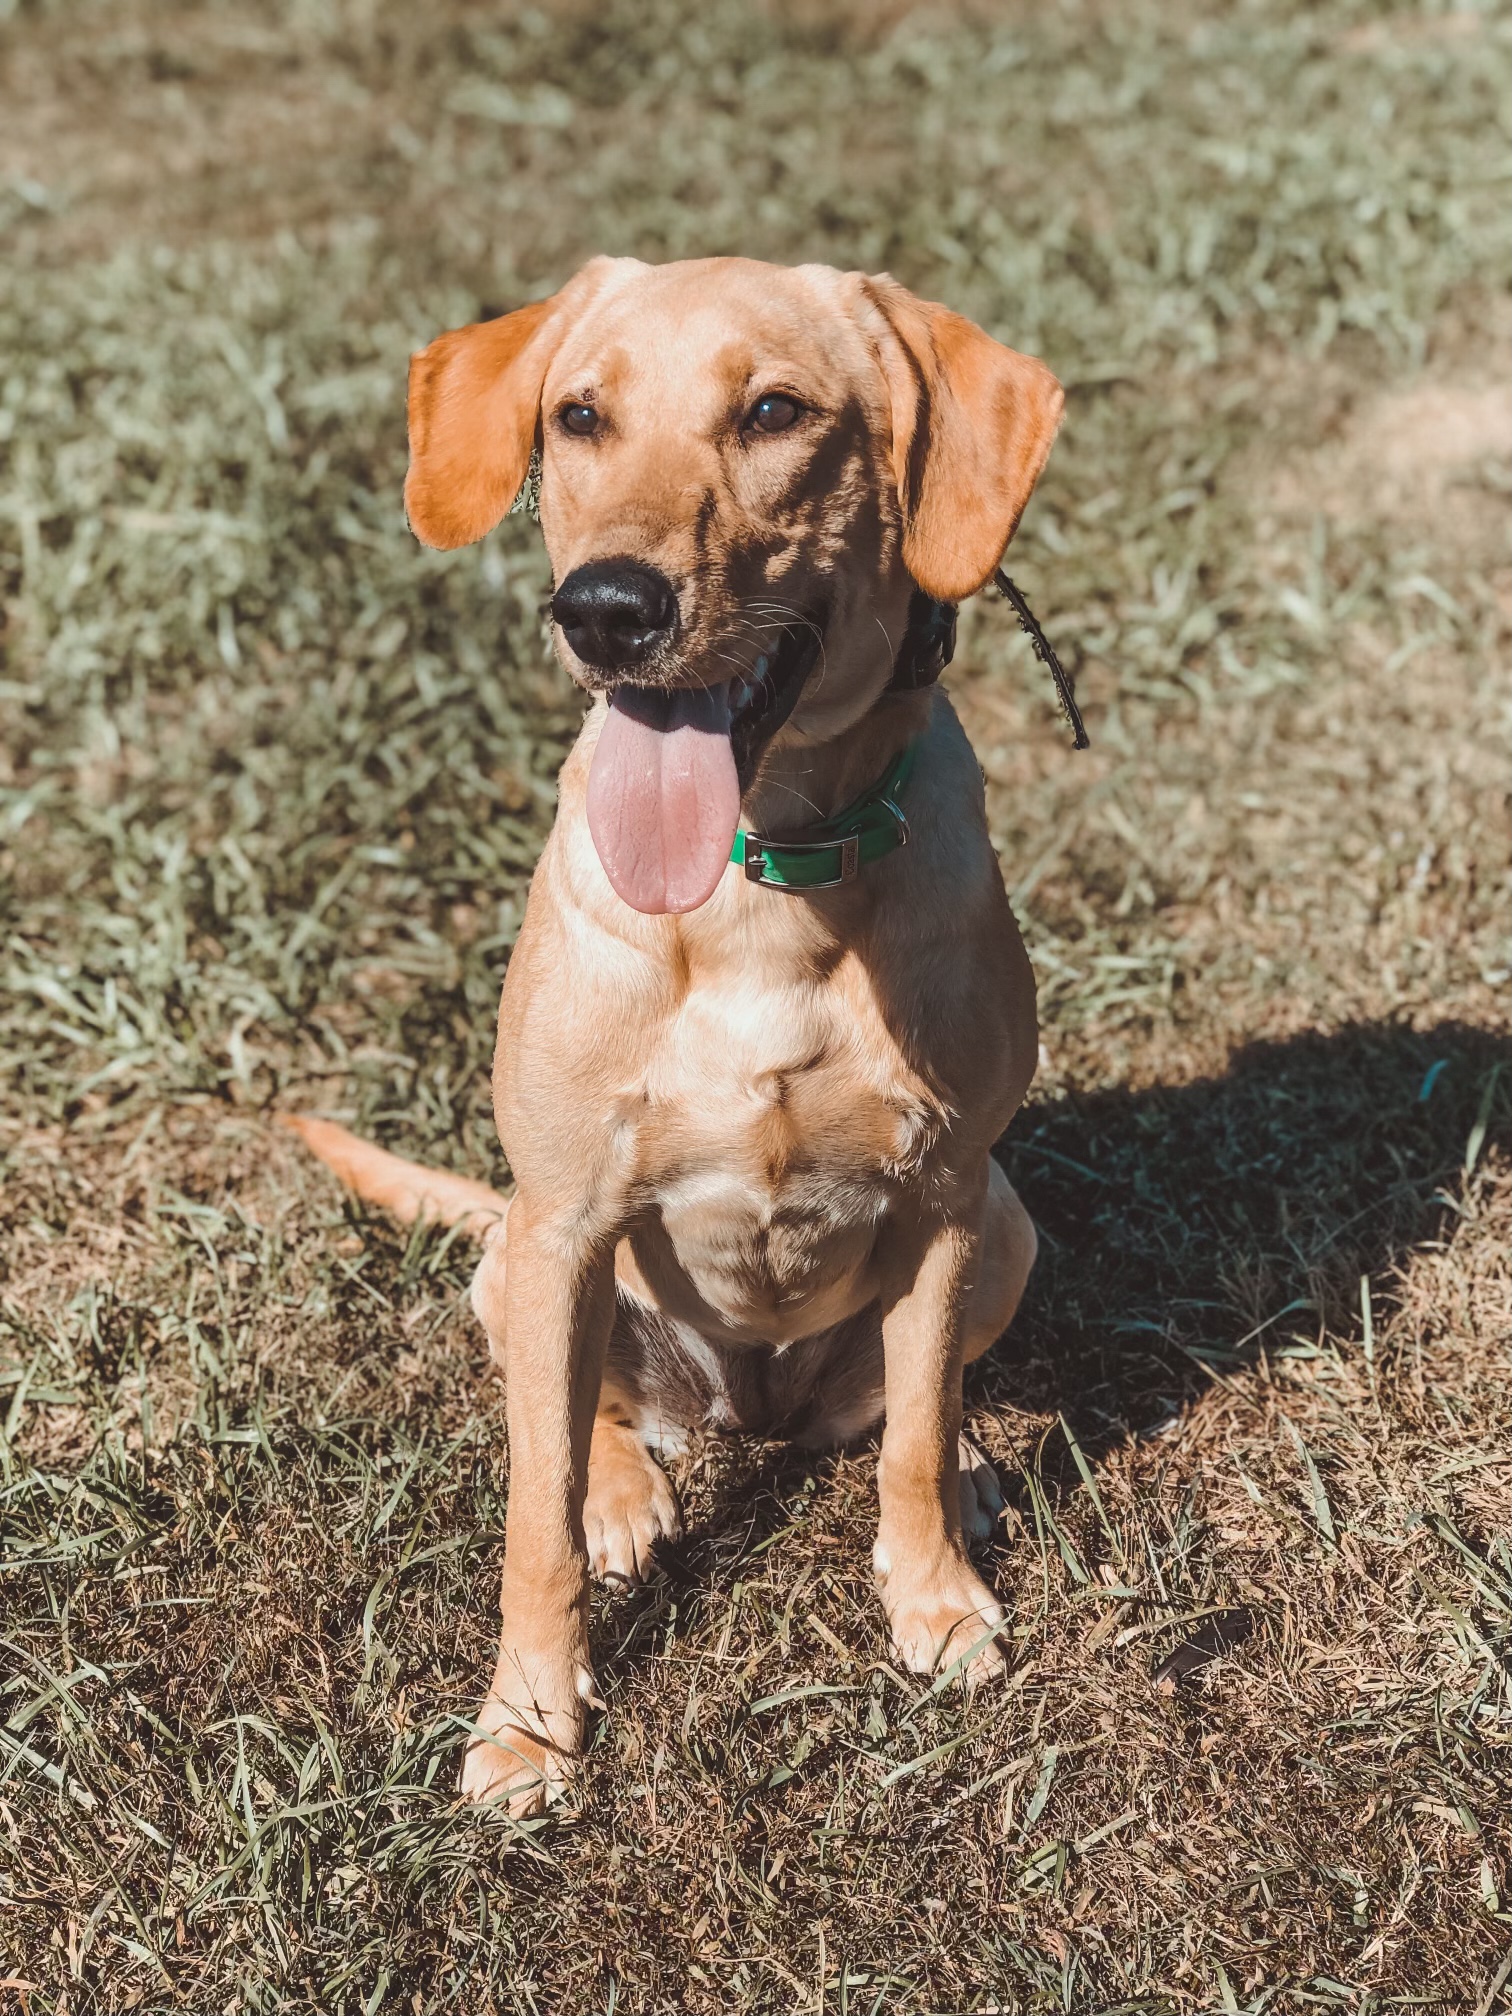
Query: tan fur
[[750, 1142]]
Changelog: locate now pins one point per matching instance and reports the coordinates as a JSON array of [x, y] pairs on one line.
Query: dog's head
[[746, 469]]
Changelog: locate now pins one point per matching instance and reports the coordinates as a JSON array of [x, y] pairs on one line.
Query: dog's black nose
[[615, 612]]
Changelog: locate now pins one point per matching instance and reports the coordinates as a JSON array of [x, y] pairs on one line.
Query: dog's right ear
[[474, 404]]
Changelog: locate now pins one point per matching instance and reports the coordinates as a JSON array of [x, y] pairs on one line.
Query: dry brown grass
[[271, 783]]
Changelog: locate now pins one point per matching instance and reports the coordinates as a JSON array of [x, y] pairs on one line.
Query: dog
[[751, 1055]]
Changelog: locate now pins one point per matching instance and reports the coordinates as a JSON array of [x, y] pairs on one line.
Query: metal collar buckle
[[849, 851]]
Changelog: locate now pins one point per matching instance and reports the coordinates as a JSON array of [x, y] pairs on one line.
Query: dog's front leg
[[938, 1606], [546, 1299]]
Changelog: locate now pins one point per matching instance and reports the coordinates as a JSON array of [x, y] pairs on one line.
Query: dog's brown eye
[[580, 419], [774, 414]]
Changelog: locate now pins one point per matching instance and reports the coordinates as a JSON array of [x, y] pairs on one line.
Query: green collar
[[838, 848]]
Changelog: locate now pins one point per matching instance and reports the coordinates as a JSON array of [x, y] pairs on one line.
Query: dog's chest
[[783, 1080], [777, 1124]]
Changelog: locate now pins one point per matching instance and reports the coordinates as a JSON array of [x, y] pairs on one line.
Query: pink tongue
[[663, 797]]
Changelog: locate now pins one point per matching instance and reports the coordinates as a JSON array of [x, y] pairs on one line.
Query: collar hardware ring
[[895, 811]]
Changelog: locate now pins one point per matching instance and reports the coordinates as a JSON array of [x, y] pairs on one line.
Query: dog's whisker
[[821, 667], [788, 611], [729, 658], [793, 618], [803, 798]]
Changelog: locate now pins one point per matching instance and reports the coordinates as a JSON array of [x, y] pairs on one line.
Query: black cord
[[1044, 650]]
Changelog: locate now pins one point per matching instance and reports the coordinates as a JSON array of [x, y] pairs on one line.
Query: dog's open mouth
[[671, 766]]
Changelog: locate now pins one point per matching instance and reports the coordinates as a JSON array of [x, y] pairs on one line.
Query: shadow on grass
[[1183, 1226]]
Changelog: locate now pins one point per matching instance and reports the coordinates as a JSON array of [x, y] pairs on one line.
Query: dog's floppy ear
[[474, 401], [972, 425]]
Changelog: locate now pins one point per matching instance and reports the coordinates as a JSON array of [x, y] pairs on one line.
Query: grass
[[271, 784]]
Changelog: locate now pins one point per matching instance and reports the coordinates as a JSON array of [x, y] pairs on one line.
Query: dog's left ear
[[972, 427]]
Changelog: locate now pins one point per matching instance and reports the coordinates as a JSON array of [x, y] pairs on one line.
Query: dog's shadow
[[1183, 1226], [1180, 1227]]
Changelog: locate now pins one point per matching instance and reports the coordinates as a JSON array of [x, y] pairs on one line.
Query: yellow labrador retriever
[[769, 1007]]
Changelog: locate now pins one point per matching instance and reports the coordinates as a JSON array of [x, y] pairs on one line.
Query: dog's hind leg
[[630, 1506], [1004, 1260]]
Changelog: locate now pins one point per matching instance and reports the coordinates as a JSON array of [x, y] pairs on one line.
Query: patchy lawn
[[272, 780]]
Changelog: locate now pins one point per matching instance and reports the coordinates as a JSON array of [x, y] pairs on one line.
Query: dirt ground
[[272, 781]]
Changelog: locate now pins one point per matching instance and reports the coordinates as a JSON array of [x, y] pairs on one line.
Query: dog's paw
[[981, 1496], [629, 1507], [505, 1766], [942, 1615], [527, 1732]]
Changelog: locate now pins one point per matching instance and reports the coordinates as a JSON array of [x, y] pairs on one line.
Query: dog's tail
[[408, 1189]]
